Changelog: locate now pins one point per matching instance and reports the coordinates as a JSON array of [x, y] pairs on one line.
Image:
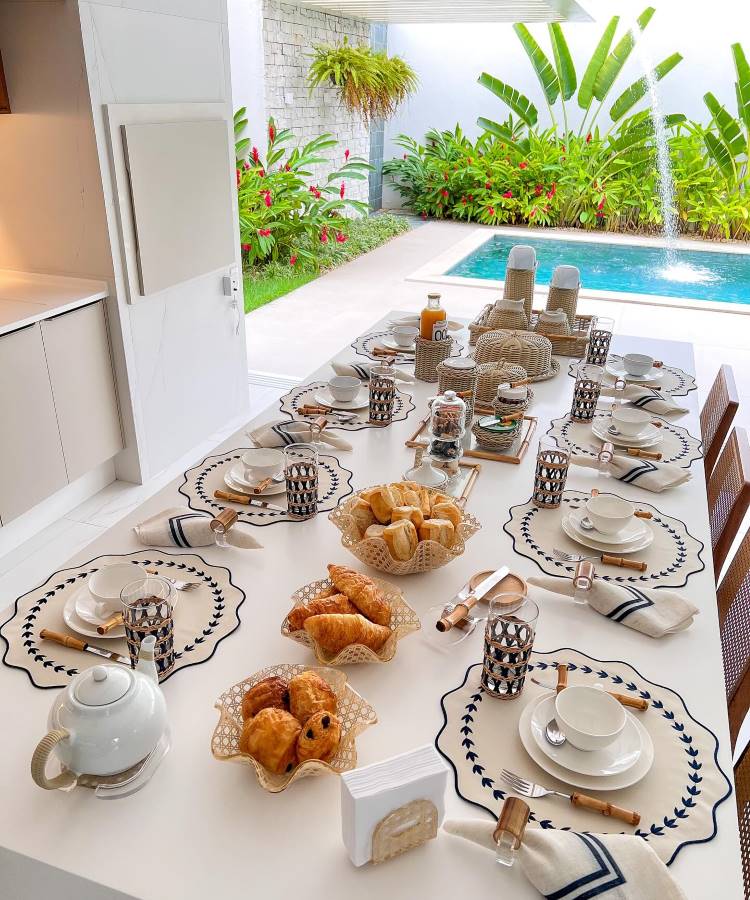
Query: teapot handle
[[39, 763]]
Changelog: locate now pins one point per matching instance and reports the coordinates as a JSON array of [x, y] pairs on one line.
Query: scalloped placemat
[[366, 343], [677, 799], [334, 483], [676, 446], [202, 618], [672, 558], [305, 395], [674, 382]]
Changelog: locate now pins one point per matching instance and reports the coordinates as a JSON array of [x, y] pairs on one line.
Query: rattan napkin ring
[[404, 620], [374, 552], [355, 713]]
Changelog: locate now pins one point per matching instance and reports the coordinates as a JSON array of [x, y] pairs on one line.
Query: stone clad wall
[[289, 34]]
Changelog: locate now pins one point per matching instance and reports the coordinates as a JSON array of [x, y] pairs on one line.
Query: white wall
[[449, 58], [247, 60]]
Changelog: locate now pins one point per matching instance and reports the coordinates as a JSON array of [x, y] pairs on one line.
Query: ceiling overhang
[[434, 11]]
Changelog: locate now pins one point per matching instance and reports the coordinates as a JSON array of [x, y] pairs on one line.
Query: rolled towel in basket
[[567, 277], [653, 476], [182, 527], [362, 370], [652, 611], [646, 398], [571, 865], [283, 432], [521, 256]]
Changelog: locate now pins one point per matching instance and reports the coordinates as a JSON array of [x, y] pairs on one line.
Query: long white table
[[202, 828]]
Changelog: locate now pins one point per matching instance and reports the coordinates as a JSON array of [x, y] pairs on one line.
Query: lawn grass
[[263, 288]]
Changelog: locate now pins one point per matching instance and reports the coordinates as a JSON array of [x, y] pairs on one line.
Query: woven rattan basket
[[404, 620], [565, 299], [459, 374], [562, 345], [491, 376], [509, 409], [374, 552], [519, 285], [355, 713], [543, 325], [428, 355], [508, 314], [493, 440], [533, 352]]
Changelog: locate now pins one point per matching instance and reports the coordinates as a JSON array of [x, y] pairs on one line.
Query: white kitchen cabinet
[[83, 388], [32, 466]]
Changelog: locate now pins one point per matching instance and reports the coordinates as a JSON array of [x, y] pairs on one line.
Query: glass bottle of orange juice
[[431, 318]]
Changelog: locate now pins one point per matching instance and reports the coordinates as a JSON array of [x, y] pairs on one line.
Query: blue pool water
[[721, 277]]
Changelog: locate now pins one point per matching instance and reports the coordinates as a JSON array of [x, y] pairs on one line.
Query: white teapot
[[105, 722]]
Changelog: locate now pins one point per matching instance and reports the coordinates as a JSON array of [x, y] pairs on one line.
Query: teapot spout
[[146, 663]]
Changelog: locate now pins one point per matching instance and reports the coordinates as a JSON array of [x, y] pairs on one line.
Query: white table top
[[27, 297], [202, 828]]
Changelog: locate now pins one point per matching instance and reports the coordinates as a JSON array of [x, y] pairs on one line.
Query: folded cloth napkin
[[566, 277], [522, 257], [653, 476], [181, 527], [569, 865], [646, 398], [283, 432], [363, 371], [652, 611]]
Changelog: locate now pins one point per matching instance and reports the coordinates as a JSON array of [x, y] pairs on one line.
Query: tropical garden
[[602, 174]]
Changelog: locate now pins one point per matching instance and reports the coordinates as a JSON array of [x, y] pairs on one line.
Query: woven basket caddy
[[576, 344], [508, 409], [551, 328], [355, 713], [452, 379], [519, 285], [565, 299], [374, 551], [428, 355], [404, 620], [533, 352], [492, 439], [491, 376], [508, 318]]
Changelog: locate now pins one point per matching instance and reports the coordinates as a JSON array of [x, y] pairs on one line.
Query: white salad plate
[[649, 437], [88, 629], [236, 481], [601, 544], [325, 398], [615, 367], [621, 755], [630, 534], [390, 342], [591, 782]]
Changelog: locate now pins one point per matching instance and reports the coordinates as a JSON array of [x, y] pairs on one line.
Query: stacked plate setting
[[236, 481], [635, 536], [616, 367]]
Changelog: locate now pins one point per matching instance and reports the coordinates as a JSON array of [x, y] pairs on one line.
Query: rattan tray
[[513, 455]]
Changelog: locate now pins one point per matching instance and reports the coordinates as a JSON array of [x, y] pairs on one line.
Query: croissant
[[338, 603], [334, 631], [448, 511], [363, 593], [412, 513]]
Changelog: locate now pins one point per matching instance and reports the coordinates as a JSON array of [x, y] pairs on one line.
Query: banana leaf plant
[[729, 144]]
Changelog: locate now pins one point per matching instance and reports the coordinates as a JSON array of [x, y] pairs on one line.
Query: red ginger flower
[[471, 160], [491, 210], [287, 168], [523, 165], [588, 138], [256, 155], [293, 259], [508, 195], [341, 238], [346, 155], [265, 232], [267, 199], [239, 176], [445, 176], [532, 213], [246, 165], [444, 193], [324, 235], [423, 216], [262, 173], [246, 247], [488, 184], [538, 190], [342, 190], [271, 132]]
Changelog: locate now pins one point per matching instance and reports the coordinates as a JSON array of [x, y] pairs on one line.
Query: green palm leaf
[[742, 85], [566, 71], [618, 57], [631, 95], [542, 66], [586, 91], [501, 131], [518, 103], [720, 154], [729, 127]]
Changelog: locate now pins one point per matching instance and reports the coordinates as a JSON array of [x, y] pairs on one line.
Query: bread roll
[[449, 511], [383, 500], [362, 513], [412, 513], [440, 530], [411, 497], [436, 499], [362, 591], [375, 531], [425, 503], [401, 538], [338, 603]]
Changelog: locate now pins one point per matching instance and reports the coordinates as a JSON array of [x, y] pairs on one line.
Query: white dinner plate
[[649, 437], [583, 537], [87, 629], [236, 481], [615, 367], [621, 755], [390, 342], [631, 533], [591, 782], [326, 398]]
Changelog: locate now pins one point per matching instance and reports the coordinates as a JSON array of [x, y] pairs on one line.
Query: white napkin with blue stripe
[[362, 371], [183, 527], [652, 611], [568, 865], [646, 398], [283, 432], [652, 476]]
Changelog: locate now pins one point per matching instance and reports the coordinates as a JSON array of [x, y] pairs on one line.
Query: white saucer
[[390, 342], [649, 437], [618, 757], [236, 481], [583, 537], [615, 367], [632, 532], [326, 398], [592, 782], [76, 623]]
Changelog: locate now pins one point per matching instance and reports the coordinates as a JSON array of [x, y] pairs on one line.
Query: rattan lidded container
[[491, 376], [531, 351], [460, 374]]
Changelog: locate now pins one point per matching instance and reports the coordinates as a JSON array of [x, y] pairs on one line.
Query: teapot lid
[[102, 685]]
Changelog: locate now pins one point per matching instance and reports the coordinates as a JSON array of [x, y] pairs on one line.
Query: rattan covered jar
[[533, 352], [459, 374], [508, 314], [491, 376]]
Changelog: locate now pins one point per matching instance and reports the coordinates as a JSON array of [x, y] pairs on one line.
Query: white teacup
[[404, 335], [629, 420], [344, 387], [260, 463], [637, 364], [106, 584], [609, 514], [591, 719]]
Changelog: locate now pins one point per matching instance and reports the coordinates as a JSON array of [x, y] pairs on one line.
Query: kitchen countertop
[[26, 297]]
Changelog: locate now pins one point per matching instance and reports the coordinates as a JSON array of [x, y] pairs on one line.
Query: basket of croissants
[[290, 721], [403, 528], [350, 618]]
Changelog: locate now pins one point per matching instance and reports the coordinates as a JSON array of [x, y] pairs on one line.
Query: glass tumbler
[[600, 337], [147, 608], [508, 642], [301, 474], [550, 475], [586, 392], [382, 395]]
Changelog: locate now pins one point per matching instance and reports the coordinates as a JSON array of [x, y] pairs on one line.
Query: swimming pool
[[692, 274]]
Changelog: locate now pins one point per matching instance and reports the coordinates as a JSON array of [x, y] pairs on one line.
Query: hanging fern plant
[[372, 84]]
